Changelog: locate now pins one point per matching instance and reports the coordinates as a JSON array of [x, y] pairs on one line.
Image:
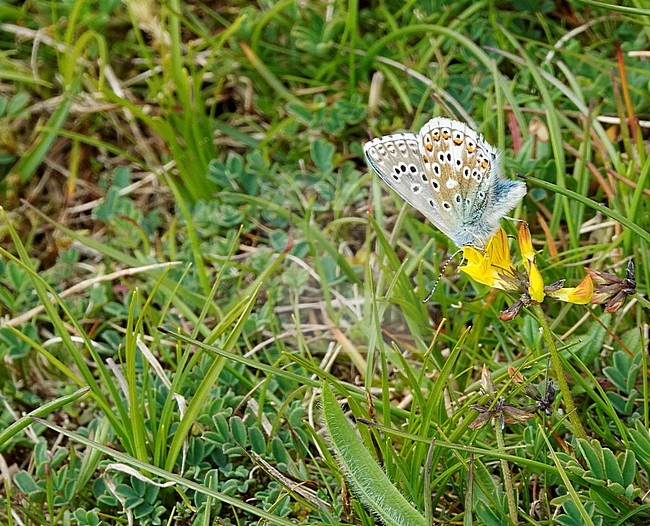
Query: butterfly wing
[[470, 194], [396, 158]]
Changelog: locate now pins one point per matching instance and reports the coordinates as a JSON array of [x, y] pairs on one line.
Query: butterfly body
[[451, 174]]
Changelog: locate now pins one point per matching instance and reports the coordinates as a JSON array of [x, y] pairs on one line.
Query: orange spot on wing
[[429, 147]]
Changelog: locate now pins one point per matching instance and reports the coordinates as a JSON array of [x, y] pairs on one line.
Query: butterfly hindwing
[[470, 178]]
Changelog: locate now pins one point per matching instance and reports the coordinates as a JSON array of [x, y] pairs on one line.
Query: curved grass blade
[[44, 410], [591, 204]]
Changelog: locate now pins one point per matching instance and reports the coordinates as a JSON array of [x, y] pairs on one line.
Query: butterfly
[[451, 174]]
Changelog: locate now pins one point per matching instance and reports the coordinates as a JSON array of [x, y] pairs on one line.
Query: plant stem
[[505, 469], [644, 302], [556, 360]]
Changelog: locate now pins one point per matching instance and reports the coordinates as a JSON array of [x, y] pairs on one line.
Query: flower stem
[[505, 469], [576, 424]]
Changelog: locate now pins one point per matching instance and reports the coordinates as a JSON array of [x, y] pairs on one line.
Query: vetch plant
[[493, 268]]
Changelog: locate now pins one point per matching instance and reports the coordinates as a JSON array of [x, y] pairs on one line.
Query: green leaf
[[278, 450], [603, 507], [221, 424], [238, 430], [258, 444], [627, 462], [592, 458], [322, 153], [27, 484], [640, 441], [612, 469], [367, 480]]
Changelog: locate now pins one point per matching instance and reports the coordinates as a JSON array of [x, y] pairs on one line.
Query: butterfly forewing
[[396, 158]]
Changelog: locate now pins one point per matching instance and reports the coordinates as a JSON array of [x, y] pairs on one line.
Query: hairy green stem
[[556, 361], [505, 469]]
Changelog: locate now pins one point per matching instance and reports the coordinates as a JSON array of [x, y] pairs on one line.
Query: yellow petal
[[472, 255], [480, 272], [580, 295], [498, 251], [536, 283], [525, 244]]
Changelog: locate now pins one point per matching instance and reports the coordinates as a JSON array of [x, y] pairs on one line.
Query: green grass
[[212, 309]]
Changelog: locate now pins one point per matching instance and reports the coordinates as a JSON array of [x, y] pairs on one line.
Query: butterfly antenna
[[515, 219], [442, 271]]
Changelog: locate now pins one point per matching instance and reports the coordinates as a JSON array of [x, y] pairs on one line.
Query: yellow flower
[[536, 283], [535, 280], [580, 295], [525, 243], [492, 267]]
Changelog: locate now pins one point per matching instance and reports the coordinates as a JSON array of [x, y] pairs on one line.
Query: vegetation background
[[199, 275]]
